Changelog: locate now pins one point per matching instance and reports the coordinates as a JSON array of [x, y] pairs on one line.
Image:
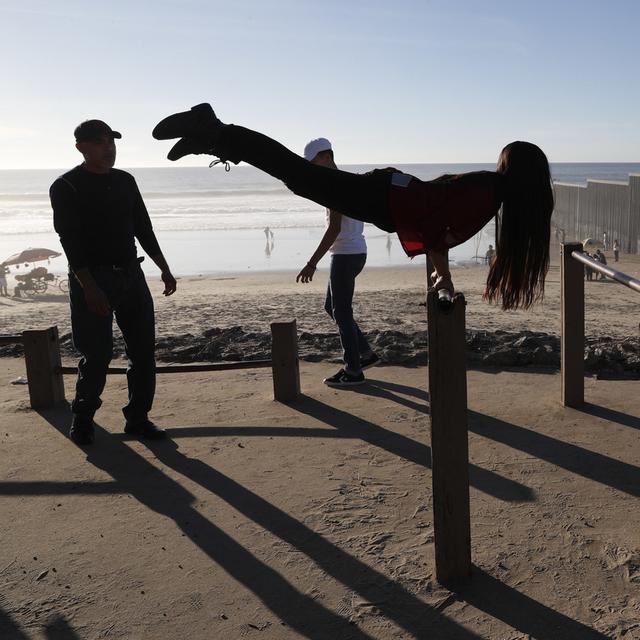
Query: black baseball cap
[[93, 129]]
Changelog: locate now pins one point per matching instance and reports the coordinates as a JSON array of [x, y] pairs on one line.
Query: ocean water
[[210, 220]]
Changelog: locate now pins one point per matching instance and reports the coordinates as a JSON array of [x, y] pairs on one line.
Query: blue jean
[[342, 279], [132, 305]]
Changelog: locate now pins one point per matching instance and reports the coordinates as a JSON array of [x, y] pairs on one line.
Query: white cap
[[314, 147]]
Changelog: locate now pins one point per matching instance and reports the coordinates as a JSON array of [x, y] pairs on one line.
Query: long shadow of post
[[588, 464], [393, 600], [312, 620], [611, 415], [350, 426], [9, 628], [591, 465], [59, 629], [485, 592], [163, 495], [517, 610]]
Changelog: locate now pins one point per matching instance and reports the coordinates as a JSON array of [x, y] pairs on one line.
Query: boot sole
[[184, 123]]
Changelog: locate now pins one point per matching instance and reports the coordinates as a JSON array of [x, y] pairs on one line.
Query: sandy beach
[[314, 519], [227, 316]]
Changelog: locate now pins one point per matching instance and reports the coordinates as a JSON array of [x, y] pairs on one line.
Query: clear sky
[[386, 81]]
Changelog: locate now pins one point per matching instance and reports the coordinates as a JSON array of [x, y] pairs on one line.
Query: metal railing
[[603, 269]]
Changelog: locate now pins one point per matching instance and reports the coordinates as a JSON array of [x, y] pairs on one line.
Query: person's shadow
[[136, 475], [309, 617]]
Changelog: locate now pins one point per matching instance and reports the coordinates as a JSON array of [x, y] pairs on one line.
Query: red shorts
[[443, 213]]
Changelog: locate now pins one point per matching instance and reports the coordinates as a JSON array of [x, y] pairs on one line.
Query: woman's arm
[[329, 237]]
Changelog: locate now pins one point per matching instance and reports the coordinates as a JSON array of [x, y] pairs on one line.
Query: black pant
[[363, 197], [344, 270], [132, 305]]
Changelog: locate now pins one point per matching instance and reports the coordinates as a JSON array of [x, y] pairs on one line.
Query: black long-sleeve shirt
[[98, 216]]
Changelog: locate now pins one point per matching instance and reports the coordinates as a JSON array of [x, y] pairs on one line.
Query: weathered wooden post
[[44, 374], [572, 336], [449, 438], [284, 361]]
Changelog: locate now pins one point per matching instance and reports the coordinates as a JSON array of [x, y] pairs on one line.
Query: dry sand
[[314, 520], [385, 298]]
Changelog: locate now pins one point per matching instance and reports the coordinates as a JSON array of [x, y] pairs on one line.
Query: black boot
[[185, 146], [82, 432], [145, 429], [199, 122]]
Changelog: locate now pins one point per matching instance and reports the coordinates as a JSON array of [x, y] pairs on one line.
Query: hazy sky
[[401, 81]]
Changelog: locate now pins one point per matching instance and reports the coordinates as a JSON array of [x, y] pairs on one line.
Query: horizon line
[[346, 164]]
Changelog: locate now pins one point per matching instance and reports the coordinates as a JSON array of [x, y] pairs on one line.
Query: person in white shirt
[[3, 280], [345, 241]]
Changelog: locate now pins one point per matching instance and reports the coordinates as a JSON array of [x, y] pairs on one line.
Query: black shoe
[[82, 432], [145, 429], [199, 121], [185, 146], [369, 361], [344, 379]]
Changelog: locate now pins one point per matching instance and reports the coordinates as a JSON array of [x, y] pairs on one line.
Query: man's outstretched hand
[[306, 274], [170, 284]]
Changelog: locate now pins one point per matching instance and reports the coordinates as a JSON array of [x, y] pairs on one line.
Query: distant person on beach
[[588, 271], [345, 241], [616, 251], [431, 216], [98, 213], [489, 255], [3, 280], [605, 246], [600, 257]]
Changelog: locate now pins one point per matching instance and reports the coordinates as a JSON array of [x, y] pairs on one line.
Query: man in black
[[98, 213]]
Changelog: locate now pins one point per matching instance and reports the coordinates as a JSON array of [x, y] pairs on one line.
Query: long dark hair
[[517, 274]]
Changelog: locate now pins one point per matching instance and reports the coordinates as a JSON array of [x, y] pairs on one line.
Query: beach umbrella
[[31, 255], [588, 244]]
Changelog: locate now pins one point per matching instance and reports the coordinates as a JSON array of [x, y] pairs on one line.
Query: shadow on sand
[[152, 488], [611, 415], [136, 475], [484, 480], [588, 464]]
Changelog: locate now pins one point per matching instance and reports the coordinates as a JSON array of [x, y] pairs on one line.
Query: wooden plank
[[284, 358], [572, 326], [188, 368], [42, 357], [449, 438]]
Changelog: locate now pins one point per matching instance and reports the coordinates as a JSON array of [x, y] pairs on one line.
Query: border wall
[[602, 206]]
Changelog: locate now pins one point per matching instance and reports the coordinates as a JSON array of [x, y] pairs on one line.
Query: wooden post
[[572, 330], [284, 361], [42, 357], [449, 438]]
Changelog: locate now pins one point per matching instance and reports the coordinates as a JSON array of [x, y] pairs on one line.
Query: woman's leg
[[364, 197]]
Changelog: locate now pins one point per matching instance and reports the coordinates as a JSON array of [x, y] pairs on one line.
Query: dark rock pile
[[605, 356]]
